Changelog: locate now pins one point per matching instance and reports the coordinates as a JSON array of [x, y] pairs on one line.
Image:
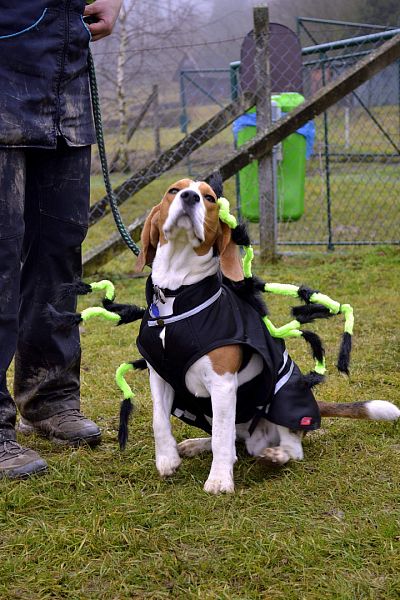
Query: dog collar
[[189, 313]]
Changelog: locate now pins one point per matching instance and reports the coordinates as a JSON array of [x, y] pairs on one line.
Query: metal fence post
[[268, 224], [184, 120], [156, 121], [330, 245], [234, 81]]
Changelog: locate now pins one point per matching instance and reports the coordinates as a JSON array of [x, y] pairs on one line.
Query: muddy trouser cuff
[[7, 435], [43, 390], [7, 416]]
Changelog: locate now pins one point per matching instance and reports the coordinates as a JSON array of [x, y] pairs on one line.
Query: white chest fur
[[177, 264]]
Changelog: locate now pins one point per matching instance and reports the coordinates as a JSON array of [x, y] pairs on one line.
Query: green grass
[[364, 205], [101, 525]]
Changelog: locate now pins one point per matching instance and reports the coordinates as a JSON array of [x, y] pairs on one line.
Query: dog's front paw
[[277, 456], [219, 486], [167, 465]]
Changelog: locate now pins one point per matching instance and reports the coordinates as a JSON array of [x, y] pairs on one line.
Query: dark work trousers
[[44, 204]]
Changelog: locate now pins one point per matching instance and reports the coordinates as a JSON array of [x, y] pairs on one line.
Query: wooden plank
[[173, 155], [328, 95], [156, 121], [132, 129], [141, 115], [266, 195]]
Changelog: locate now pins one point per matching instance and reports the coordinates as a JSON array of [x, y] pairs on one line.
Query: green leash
[[103, 159]]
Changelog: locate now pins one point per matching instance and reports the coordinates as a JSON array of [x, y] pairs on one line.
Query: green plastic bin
[[291, 169]]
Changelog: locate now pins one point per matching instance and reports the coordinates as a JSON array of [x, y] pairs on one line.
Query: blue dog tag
[[154, 310]]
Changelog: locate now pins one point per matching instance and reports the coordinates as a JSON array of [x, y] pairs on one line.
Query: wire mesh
[[154, 95], [352, 191]]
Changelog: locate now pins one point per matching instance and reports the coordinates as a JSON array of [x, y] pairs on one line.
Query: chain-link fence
[[155, 106], [162, 122], [352, 188]]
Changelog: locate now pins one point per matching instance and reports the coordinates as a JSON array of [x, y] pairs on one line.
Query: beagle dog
[[198, 351]]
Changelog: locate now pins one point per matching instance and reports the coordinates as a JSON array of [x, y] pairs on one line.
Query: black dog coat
[[278, 393]]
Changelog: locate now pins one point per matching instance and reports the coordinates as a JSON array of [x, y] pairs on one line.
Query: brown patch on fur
[[351, 410], [227, 359], [149, 239], [231, 263], [219, 235]]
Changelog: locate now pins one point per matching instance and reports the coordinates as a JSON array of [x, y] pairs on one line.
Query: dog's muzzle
[[186, 215]]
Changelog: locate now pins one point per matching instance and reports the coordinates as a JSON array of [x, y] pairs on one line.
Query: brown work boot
[[17, 462], [68, 427]]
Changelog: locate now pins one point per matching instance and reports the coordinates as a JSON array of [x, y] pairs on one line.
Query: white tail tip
[[381, 410]]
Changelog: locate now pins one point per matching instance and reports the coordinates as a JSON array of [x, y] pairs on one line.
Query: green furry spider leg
[[121, 381], [347, 311], [224, 214], [320, 367], [283, 289], [334, 308], [98, 311], [106, 285], [247, 261], [326, 301], [291, 329], [127, 313], [287, 289], [126, 404]]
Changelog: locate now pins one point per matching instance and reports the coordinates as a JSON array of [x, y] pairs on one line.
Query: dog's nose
[[190, 197]]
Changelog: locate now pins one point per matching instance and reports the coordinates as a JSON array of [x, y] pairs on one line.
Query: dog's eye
[[209, 198], [173, 191]]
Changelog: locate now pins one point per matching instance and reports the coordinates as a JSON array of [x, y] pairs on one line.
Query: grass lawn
[[102, 525]]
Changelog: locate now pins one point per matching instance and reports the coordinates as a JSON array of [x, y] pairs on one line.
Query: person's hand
[[105, 12]]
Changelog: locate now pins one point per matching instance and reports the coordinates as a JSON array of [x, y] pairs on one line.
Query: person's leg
[[47, 362], [15, 461], [12, 184]]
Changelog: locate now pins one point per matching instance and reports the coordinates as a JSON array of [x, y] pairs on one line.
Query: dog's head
[[189, 213]]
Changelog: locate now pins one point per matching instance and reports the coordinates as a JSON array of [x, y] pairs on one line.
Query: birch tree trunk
[[121, 158]]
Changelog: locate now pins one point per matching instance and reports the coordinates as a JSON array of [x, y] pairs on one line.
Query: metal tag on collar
[[159, 294]]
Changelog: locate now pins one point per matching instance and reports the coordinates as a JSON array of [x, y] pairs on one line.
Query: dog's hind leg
[[290, 447], [194, 446], [167, 457], [264, 435]]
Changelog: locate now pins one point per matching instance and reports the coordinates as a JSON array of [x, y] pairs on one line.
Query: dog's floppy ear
[[216, 184], [231, 263], [149, 239]]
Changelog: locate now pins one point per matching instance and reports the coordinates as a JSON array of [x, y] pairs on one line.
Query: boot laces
[[11, 448], [69, 416]]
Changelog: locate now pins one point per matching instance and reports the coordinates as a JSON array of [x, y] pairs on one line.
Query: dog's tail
[[374, 410]]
